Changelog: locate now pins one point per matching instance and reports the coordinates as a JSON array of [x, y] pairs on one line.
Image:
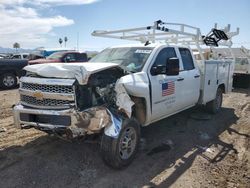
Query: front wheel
[[8, 81], [120, 152], [215, 105]]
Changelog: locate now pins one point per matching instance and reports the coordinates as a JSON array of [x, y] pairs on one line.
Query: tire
[[118, 155], [8, 81], [214, 106]]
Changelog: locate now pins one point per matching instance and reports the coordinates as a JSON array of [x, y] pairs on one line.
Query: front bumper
[[75, 122], [22, 117]]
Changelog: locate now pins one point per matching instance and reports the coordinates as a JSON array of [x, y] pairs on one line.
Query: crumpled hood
[[79, 71]]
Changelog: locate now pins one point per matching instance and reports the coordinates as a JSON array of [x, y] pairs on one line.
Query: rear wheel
[[120, 152], [215, 105], [8, 81]]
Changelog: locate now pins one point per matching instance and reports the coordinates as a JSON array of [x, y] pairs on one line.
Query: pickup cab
[[120, 90]]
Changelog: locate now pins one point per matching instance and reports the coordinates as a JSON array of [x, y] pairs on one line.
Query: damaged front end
[[68, 108]]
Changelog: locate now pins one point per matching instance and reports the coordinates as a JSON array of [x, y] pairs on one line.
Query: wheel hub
[[8, 81], [127, 143]]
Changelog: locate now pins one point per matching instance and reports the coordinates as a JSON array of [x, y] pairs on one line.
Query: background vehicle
[[10, 71], [125, 87], [65, 57], [242, 70], [242, 63], [20, 56]]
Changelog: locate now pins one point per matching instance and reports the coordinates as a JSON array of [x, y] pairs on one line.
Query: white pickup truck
[[117, 92]]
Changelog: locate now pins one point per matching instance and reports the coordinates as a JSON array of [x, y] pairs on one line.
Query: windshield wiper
[[116, 59]]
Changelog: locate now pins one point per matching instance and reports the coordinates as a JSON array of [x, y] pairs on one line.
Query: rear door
[[190, 78]]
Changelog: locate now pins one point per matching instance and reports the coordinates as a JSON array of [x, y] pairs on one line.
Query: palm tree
[[60, 41], [65, 41], [16, 45]]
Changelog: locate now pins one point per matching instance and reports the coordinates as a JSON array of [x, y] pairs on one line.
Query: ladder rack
[[172, 33]]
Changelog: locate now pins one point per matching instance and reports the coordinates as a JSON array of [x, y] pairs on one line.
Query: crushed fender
[[123, 101]]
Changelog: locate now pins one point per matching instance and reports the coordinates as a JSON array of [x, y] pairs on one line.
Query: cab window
[[187, 60], [163, 56], [25, 56], [70, 57], [82, 57], [16, 57]]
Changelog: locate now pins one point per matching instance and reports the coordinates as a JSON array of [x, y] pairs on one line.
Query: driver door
[[165, 89]]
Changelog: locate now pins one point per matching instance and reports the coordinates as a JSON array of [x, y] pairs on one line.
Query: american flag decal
[[168, 88]]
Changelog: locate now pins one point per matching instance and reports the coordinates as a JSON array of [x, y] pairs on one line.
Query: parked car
[[10, 71], [62, 57]]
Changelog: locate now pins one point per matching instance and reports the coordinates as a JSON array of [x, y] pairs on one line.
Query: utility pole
[[77, 41], [65, 41]]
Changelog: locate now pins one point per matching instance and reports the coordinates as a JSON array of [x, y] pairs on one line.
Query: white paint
[[78, 71], [123, 101]]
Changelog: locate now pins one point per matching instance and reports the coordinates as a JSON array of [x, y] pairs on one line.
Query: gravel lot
[[190, 149]]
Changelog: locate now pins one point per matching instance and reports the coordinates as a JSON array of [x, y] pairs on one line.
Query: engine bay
[[99, 90]]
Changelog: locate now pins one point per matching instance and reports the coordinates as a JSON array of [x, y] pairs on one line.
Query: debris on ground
[[2, 129], [210, 153]]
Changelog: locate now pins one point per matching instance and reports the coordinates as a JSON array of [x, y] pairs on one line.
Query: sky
[[40, 23]]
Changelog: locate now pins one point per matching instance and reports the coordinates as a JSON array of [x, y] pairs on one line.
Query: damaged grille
[[47, 88], [44, 102], [47, 93]]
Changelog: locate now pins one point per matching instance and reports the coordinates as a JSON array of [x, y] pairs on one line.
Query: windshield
[[132, 58], [56, 55]]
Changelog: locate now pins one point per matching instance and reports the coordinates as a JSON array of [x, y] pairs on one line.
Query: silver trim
[[46, 95], [48, 81], [47, 107]]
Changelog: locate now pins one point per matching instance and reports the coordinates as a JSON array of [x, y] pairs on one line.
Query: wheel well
[[7, 71], [222, 87], [139, 109]]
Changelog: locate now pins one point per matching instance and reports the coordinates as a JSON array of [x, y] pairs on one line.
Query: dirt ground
[[190, 149]]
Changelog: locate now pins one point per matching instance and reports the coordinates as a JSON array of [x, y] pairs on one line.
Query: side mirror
[[159, 69], [173, 67]]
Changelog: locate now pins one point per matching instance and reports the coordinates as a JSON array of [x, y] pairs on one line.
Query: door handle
[[197, 76], [180, 79]]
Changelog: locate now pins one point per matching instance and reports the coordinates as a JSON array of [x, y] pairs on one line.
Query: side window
[[70, 57], [82, 57], [187, 59], [25, 56], [16, 57], [162, 57]]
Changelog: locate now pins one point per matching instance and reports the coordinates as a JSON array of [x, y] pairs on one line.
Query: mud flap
[[113, 130]]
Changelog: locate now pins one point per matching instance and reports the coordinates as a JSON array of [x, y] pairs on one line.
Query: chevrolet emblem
[[38, 95]]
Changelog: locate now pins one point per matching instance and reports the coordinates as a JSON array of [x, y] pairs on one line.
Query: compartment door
[[210, 81]]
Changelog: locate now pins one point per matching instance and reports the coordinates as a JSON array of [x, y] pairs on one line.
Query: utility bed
[[214, 73]]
